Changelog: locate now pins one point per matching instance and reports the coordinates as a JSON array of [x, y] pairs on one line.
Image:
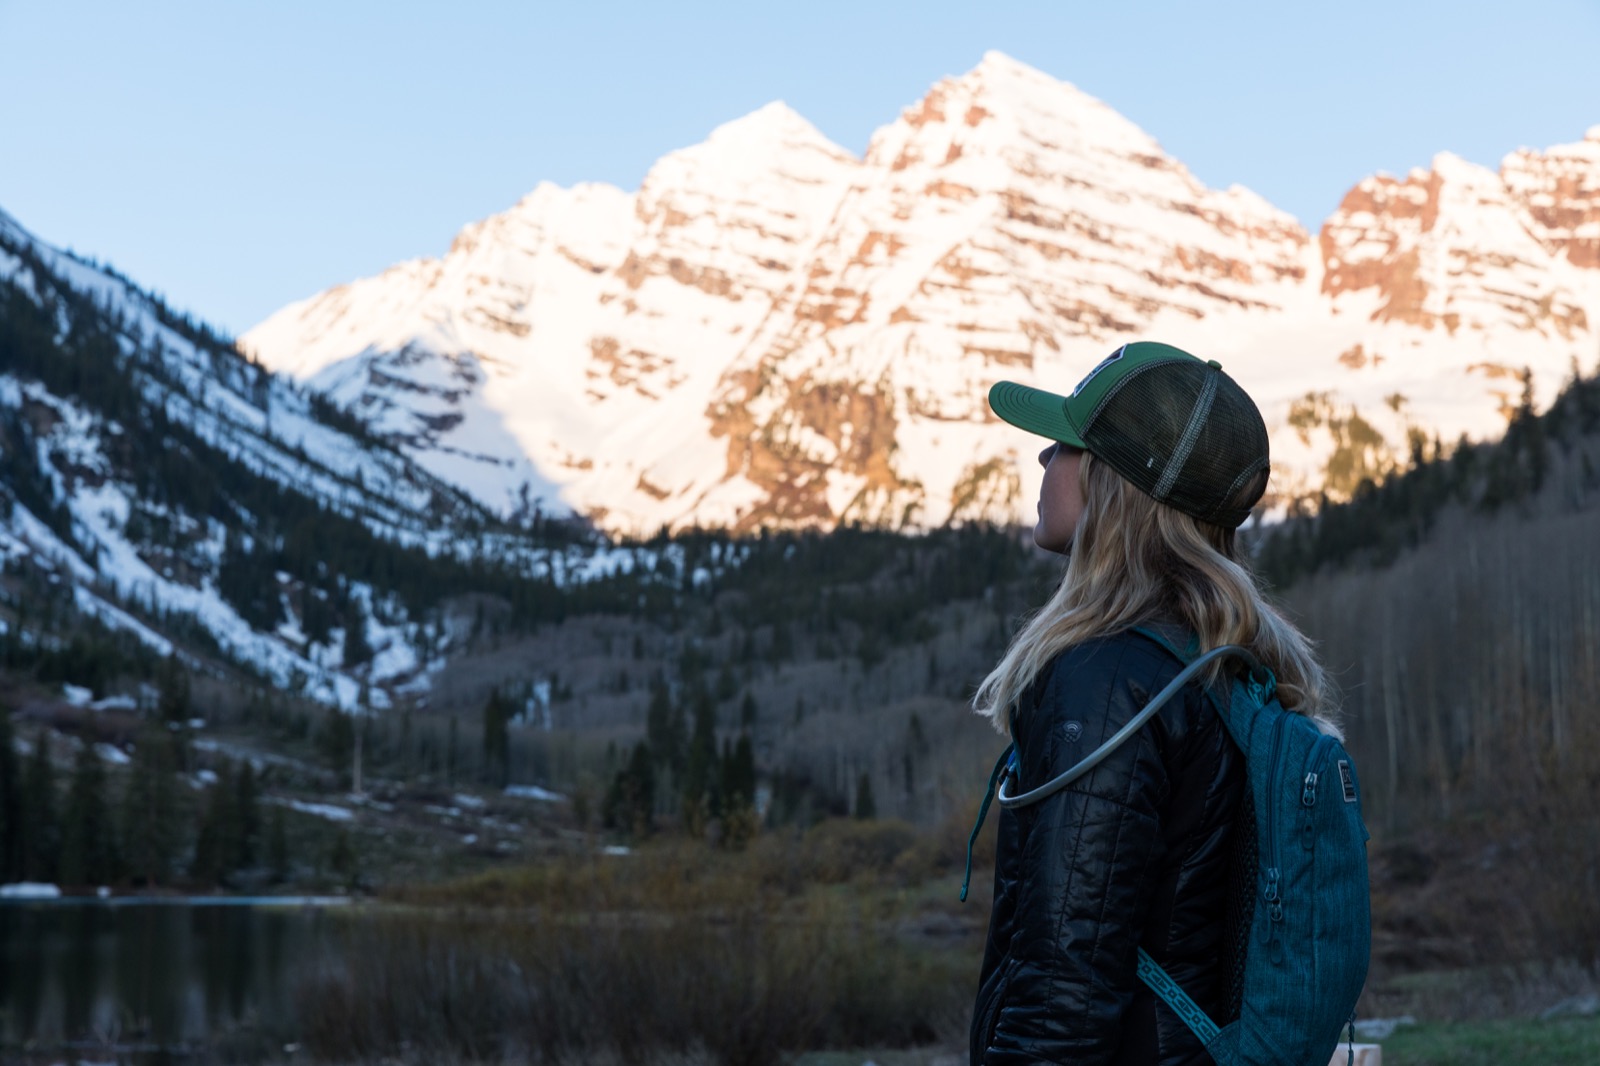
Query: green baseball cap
[[1176, 426]]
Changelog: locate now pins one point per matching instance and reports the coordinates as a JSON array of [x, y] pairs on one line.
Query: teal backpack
[[1310, 934]]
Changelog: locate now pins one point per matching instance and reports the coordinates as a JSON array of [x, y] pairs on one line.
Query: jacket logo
[[1072, 731]]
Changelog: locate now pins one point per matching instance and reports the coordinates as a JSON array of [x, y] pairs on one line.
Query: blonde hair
[[1134, 561]]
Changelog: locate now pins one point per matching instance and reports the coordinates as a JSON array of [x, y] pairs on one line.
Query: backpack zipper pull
[[1308, 796], [1275, 913]]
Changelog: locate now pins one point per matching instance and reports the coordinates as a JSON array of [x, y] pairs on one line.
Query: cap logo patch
[[1107, 361]]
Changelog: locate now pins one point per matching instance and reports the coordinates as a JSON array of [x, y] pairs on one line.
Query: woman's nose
[[1044, 456]]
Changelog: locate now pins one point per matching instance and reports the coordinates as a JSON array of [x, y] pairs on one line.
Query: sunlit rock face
[[772, 331]]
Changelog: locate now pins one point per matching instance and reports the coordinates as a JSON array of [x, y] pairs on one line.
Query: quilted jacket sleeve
[[1086, 860]]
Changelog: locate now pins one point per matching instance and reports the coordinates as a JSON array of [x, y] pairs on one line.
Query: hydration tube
[[1056, 784]]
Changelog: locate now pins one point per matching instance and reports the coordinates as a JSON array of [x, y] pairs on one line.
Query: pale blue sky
[[237, 156]]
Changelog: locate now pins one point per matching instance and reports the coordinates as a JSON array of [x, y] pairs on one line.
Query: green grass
[[1525, 1042]]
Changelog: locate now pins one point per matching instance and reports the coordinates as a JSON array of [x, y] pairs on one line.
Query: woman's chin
[[1043, 539]]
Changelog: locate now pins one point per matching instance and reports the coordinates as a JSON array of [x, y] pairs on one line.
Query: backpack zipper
[[1308, 792], [1271, 891]]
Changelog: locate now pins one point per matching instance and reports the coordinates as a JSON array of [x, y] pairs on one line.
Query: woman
[[1157, 457]]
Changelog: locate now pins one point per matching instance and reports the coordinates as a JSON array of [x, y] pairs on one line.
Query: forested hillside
[[178, 490], [1458, 605]]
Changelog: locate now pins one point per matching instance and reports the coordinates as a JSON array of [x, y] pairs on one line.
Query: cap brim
[[1034, 410]]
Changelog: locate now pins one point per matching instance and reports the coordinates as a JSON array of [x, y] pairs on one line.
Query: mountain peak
[[772, 125], [1452, 167], [998, 75], [1002, 102], [997, 65]]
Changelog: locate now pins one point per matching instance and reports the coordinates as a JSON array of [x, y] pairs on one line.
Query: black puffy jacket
[[1138, 852]]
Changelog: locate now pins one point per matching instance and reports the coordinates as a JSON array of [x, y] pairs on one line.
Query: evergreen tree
[[40, 827], [316, 616], [356, 648], [450, 754], [497, 739], [641, 795], [739, 821], [88, 838], [247, 815], [658, 725], [629, 803], [721, 796], [228, 819], [866, 806], [677, 740], [10, 803], [916, 746], [278, 847], [405, 742], [699, 768], [218, 845], [172, 681], [150, 819], [740, 784], [342, 860], [747, 711], [205, 865], [337, 740], [245, 578]]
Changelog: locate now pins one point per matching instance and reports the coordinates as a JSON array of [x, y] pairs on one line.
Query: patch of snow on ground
[[77, 695], [29, 890], [112, 754], [321, 810], [535, 792]]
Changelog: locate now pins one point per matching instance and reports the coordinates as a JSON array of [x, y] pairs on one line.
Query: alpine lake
[[146, 982]]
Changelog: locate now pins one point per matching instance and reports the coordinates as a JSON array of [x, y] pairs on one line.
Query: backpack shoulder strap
[[1056, 784], [1178, 640], [1184, 645]]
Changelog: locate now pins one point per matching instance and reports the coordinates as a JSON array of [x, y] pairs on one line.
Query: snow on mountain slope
[[145, 466], [773, 331]]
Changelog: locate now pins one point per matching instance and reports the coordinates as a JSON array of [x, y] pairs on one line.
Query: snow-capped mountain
[[153, 479], [772, 330]]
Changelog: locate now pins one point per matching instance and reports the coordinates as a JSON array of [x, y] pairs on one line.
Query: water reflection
[[153, 980]]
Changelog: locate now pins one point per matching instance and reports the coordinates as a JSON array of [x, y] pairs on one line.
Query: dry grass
[[742, 985], [676, 875], [806, 941]]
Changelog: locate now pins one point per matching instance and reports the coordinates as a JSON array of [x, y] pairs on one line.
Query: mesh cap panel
[[1187, 435], [1243, 879]]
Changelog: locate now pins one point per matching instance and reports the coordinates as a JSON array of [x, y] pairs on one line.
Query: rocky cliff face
[[1461, 247], [774, 331]]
